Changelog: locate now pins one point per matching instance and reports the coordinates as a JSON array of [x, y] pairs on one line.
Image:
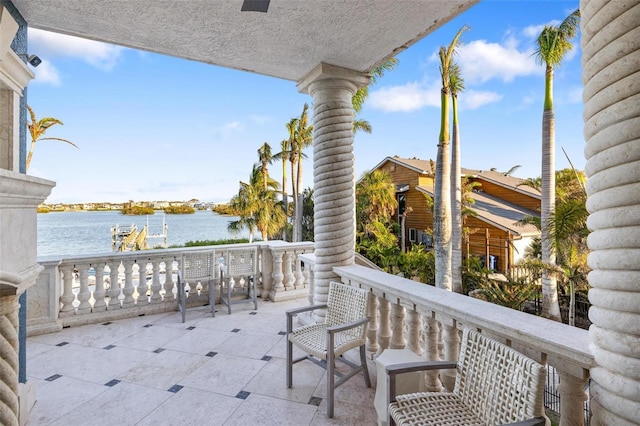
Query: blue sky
[[153, 127]]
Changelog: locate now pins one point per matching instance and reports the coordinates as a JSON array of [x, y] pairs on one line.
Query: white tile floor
[[155, 370]]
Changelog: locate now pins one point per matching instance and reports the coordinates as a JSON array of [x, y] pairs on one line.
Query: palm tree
[[375, 197], [456, 83], [552, 45], [265, 157], [283, 156], [258, 207], [442, 194], [37, 128], [303, 138], [362, 93]]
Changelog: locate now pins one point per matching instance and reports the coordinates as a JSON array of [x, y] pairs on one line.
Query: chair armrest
[[347, 326], [536, 421], [410, 367], [296, 311], [292, 312]]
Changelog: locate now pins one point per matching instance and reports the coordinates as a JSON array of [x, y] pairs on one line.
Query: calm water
[[73, 233]]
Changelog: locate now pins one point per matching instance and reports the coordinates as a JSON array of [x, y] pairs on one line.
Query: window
[[412, 235]]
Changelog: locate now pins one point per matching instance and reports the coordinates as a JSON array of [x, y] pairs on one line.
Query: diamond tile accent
[[315, 401], [109, 347], [148, 325], [175, 388], [235, 330], [106, 323], [211, 354], [243, 395], [52, 378], [191, 327], [266, 358], [112, 383], [62, 343], [157, 351], [253, 313], [282, 333]]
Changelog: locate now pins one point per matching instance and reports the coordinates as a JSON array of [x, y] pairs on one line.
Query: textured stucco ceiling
[[288, 41]]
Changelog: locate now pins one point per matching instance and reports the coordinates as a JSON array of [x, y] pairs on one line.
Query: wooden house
[[493, 233]]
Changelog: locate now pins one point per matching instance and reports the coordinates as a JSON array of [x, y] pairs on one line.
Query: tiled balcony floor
[[155, 370]]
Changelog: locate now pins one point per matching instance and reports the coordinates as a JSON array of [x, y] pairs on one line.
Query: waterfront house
[[494, 232], [315, 46]]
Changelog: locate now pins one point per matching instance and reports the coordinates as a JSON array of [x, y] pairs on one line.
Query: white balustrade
[[98, 288], [443, 314]]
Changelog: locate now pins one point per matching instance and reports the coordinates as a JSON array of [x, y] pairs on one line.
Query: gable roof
[[415, 164], [498, 213]]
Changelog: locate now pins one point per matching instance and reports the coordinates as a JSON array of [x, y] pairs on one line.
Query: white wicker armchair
[[196, 268], [344, 328], [494, 385]]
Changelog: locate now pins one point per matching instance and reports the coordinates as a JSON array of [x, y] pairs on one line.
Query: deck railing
[[76, 290], [427, 320]]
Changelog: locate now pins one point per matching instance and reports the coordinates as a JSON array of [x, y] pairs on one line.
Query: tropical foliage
[[137, 210], [179, 210], [37, 129]]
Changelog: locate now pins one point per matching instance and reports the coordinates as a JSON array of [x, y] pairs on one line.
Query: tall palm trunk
[[456, 201], [550, 306], [294, 192], [298, 196], [442, 201]]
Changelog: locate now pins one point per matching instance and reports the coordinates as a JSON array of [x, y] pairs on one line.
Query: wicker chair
[[239, 264], [494, 385], [344, 328], [196, 268]]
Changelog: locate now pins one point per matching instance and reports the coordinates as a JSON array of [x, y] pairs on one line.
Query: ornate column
[[611, 66], [332, 88], [99, 293], [9, 410]]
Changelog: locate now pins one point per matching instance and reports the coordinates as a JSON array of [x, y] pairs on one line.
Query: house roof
[[499, 213], [424, 167], [415, 164], [288, 41]]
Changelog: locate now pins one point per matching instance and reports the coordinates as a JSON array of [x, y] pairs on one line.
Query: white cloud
[[473, 99], [259, 119], [47, 73], [228, 129], [50, 45], [482, 61], [409, 97]]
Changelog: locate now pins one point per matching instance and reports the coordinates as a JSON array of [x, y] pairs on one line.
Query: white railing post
[[67, 298], [397, 330], [289, 279], [414, 330], [114, 285], [384, 331], [298, 275], [99, 294], [84, 294], [572, 398], [451, 342], [156, 286], [128, 288], [432, 341]]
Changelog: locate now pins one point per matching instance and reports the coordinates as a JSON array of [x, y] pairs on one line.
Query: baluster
[[289, 278], [155, 281], [432, 332], [572, 397], [277, 273], [140, 292], [67, 296], [266, 267], [99, 294], [299, 276], [169, 295], [372, 328], [84, 294], [414, 324], [451, 342], [128, 288], [384, 331], [114, 285], [397, 323]]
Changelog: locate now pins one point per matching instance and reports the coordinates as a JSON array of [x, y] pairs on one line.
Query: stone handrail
[[426, 320], [77, 290]]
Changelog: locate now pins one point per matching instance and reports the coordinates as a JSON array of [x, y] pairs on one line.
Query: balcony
[[101, 354]]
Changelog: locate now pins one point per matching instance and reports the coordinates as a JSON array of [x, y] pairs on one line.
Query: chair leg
[[229, 294], [289, 362], [363, 361], [255, 293], [181, 299], [331, 363], [212, 297]]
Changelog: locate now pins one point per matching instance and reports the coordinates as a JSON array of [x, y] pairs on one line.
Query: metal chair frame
[[196, 267], [344, 329]]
